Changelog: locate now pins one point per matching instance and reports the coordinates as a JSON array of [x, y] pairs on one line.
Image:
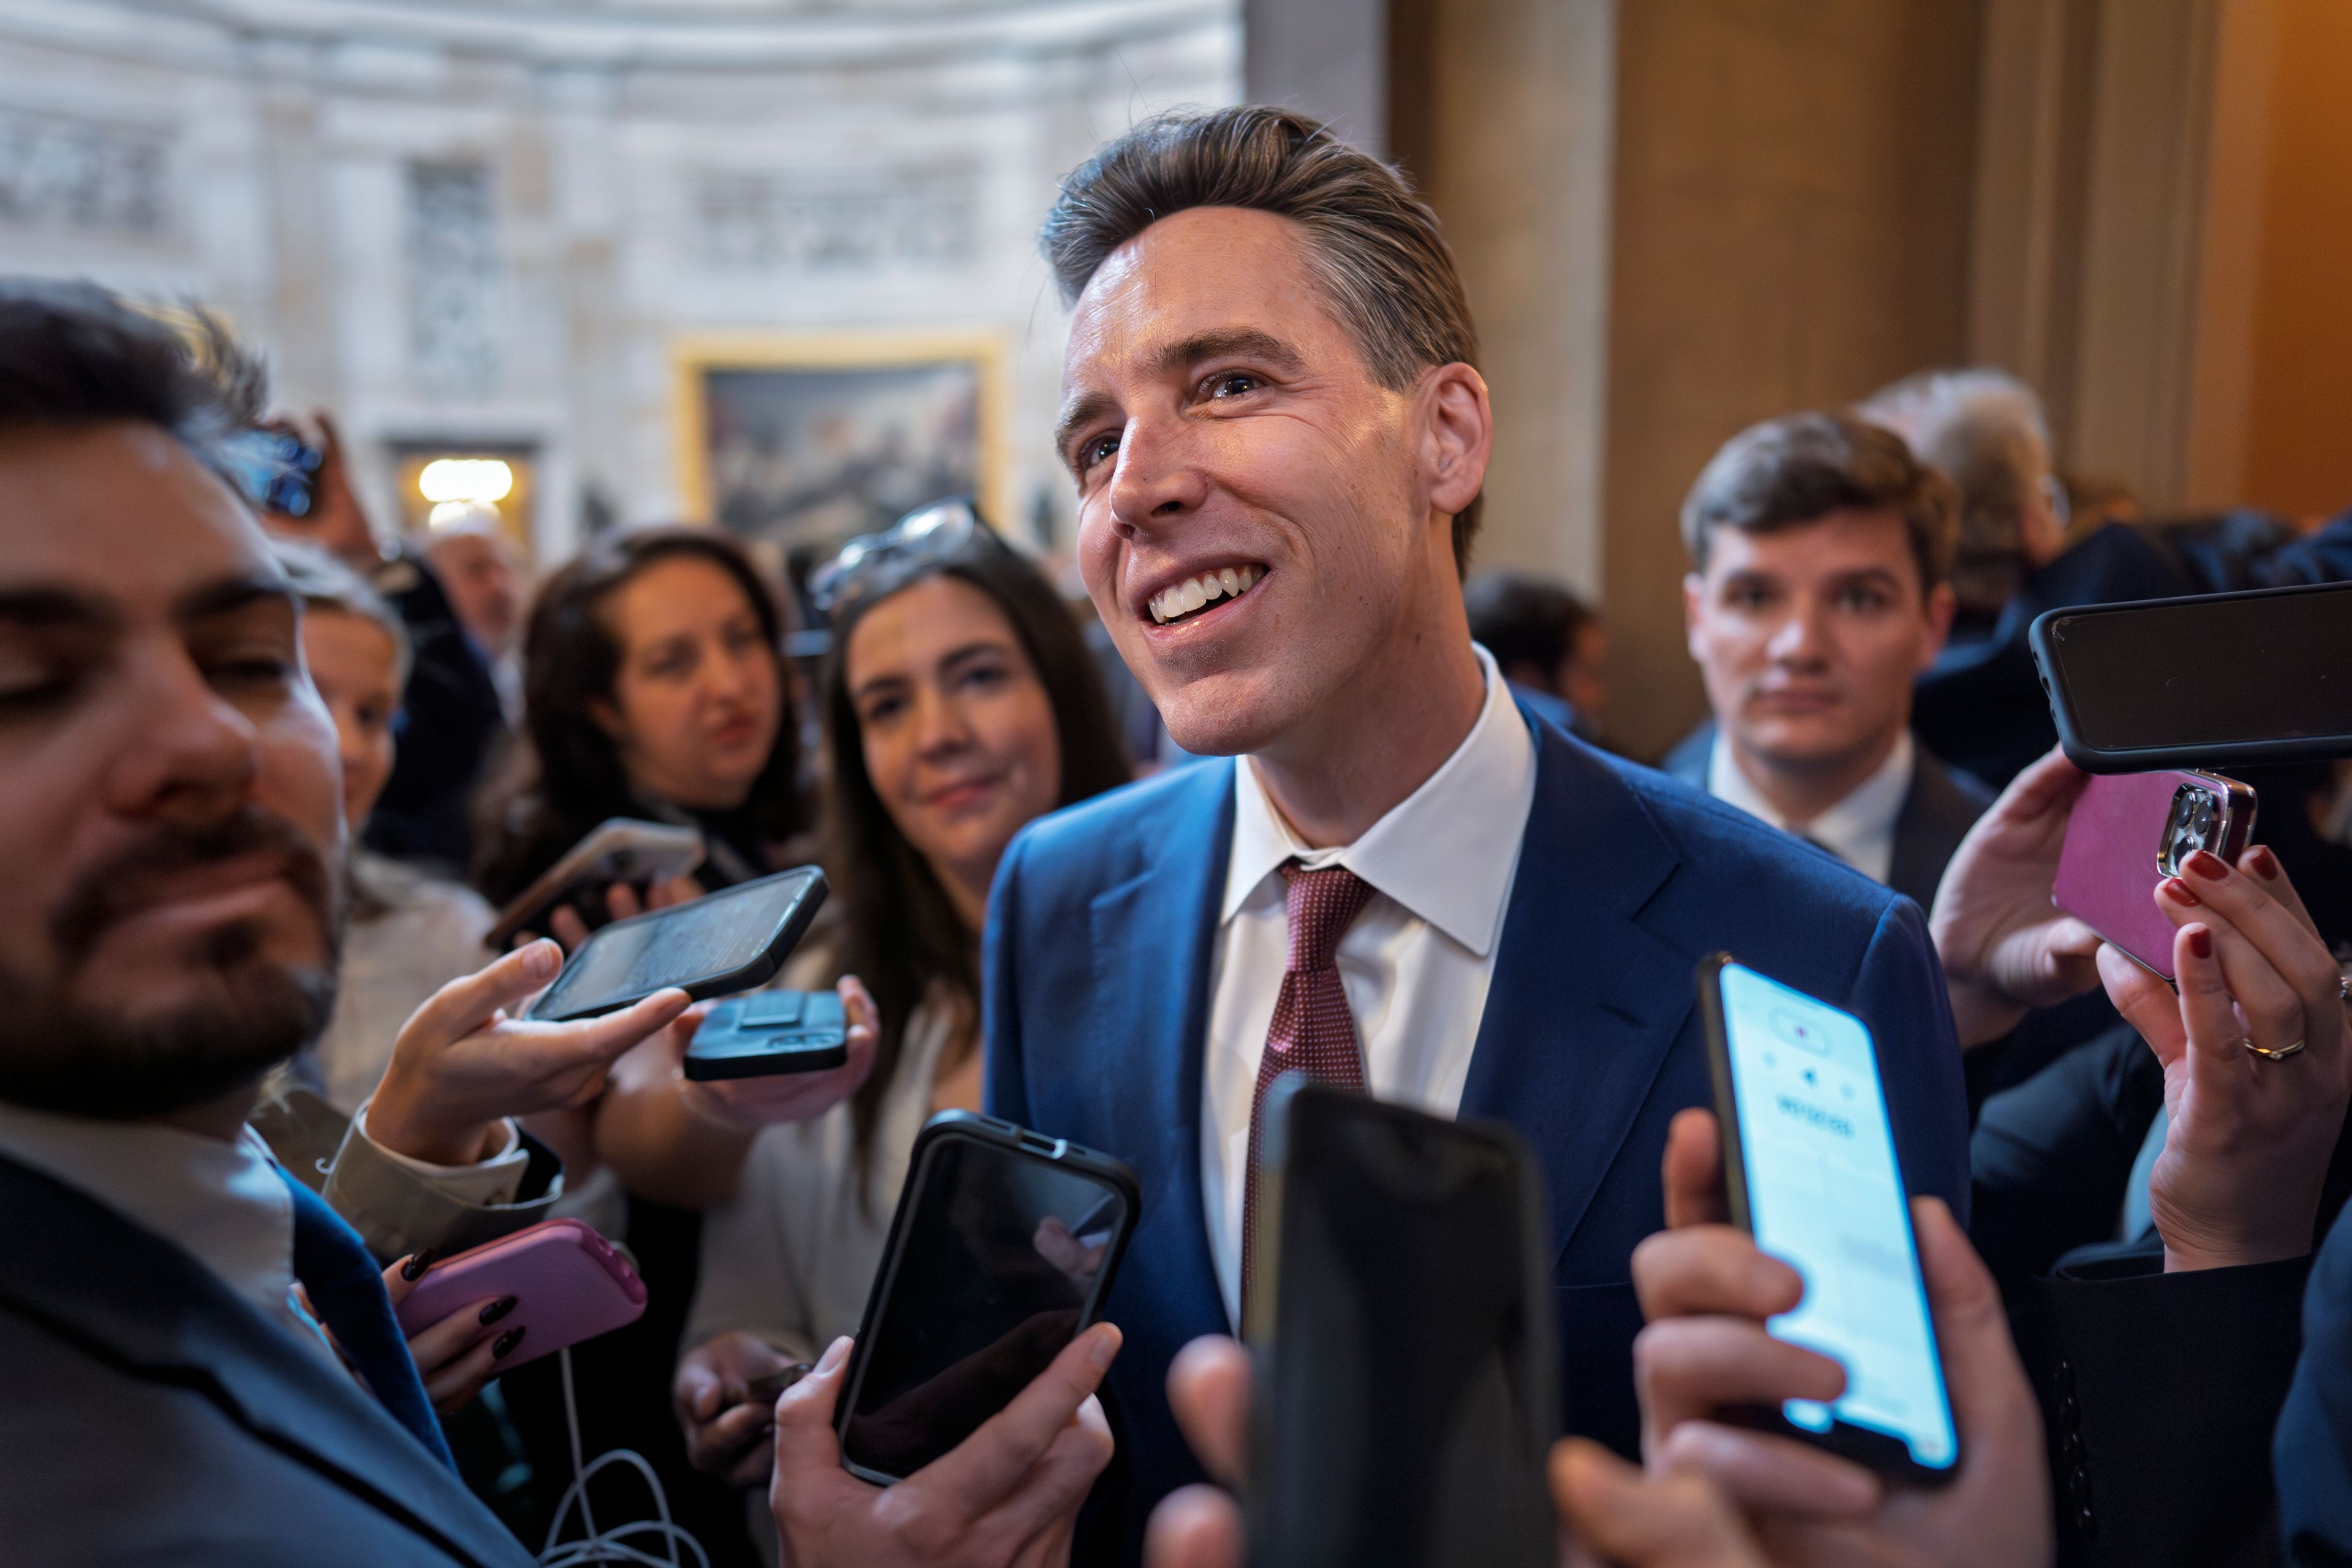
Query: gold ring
[[2279, 1055]]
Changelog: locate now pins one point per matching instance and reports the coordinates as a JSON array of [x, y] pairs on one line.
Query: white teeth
[[1226, 582]]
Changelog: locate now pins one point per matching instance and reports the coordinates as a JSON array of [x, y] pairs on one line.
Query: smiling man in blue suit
[[1403, 879]]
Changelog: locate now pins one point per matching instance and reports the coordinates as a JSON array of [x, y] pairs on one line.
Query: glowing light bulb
[[483, 479]]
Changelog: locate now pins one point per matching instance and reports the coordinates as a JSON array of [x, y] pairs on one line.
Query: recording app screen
[[1824, 1196], [1002, 1255], [710, 936]]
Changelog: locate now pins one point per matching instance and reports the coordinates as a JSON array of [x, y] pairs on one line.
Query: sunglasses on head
[[874, 564]]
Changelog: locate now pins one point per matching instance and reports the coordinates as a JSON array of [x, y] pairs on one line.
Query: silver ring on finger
[[2272, 1053]]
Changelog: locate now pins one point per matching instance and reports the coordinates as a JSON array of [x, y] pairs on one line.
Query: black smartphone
[[617, 849], [1401, 1322], [723, 942], [1809, 1159], [770, 1032], [2220, 680], [1001, 1252]]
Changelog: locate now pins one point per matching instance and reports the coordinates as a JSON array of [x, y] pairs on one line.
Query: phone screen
[[1824, 1196], [711, 936], [999, 1263], [2221, 671]]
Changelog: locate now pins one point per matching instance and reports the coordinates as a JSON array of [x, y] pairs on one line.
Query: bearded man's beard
[[60, 1051]]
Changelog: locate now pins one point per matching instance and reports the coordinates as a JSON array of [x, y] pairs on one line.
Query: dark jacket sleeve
[[1899, 993], [2159, 1393]]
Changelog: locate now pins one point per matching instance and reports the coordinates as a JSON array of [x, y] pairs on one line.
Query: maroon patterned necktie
[[1313, 1032]]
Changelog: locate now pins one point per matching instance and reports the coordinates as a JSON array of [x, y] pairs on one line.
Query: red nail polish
[[2264, 863], [2177, 891], [2201, 943], [2207, 865]]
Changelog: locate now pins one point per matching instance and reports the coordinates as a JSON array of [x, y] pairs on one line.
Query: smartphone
[[278, 470], [568, 1282], [1401, 1322], [721, 944], [2220, 680], [2130, 831], [1001, 1250], [1809, 1158], [770, 1032], [619, 849]]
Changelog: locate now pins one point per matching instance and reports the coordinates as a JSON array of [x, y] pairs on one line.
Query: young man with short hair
[[1819, 549], [1278, 433]]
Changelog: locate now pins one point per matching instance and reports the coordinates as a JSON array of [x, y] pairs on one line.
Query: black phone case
[[768, 1033], [1879, 1451], [1510, 1523], [1001, 1135], [2042, 637], [758, 972]]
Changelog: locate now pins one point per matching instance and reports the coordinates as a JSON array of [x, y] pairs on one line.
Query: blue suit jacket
[[1101, 932], [149, 1414]]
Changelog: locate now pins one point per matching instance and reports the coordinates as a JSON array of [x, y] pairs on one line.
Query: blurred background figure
[[482, 575], [1549, 644]]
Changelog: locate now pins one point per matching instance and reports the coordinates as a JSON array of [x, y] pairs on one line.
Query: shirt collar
[[223, 1202], [1847, 829], [1446, 852]]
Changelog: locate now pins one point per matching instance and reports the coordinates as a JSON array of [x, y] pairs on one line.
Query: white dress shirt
[[1415, 964], [222, 1202], [1858, 830]]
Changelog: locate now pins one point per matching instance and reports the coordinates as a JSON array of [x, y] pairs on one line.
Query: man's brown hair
[[1801, 467], [1375, 247]]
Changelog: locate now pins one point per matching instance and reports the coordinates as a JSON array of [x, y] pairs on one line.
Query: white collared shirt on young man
[[1415, 964], [1859, 830]]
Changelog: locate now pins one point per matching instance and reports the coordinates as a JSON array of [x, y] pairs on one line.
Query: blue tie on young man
[[1278, 441]]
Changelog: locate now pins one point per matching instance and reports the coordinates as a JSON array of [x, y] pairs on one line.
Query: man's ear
[[1458, 435], [1942, 604], [1693, 603]]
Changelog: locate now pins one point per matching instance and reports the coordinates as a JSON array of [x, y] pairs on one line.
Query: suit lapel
[[1154, 934], [1584, 1004], [133, 1300]]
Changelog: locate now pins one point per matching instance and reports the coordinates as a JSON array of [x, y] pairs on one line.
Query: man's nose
[[1801, 638], [181, 747], [1156, 477]]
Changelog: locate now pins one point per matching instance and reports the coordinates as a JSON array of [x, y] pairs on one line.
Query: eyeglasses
[[874, 564]]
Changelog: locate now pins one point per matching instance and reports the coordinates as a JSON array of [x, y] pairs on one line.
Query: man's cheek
[[302, 779]]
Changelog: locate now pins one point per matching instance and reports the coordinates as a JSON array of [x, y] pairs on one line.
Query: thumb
[[467, 1002], [805, 1437], [1692, 1171], [2147, 1003], [1674, 1521]]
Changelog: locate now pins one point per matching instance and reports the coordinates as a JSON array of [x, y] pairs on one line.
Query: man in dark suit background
[[1820, 549], [1407, 882]]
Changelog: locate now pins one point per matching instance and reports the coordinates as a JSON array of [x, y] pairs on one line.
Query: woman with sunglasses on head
[[961, 704]]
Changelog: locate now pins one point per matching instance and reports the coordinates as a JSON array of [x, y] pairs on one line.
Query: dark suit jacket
[[149, 1414], [450, 722], [1938, 812], [2312, 1456], [1099, 944]]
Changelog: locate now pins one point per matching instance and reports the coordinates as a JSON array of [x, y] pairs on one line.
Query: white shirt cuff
[[485, 1183]]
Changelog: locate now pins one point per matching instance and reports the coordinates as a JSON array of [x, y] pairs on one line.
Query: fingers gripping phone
[[2221, 680], [1809, 1159], [1001, 1253], [770, 1032], [568, 1282], [2129, 832], [1401, 1323], [727, 942], [619, 849]]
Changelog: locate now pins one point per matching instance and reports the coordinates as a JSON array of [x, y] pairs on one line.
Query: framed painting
[[802, 441]]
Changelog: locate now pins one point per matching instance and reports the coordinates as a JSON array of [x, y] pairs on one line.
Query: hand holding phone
[[725, 1396], [566, 1282], [1710, 1294], [2131, 832], [768, 1033], [620, 850], [730, 941], [466, 1059]]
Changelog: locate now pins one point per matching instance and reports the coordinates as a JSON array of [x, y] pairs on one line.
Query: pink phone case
[[2108, 871], [568, 1283]]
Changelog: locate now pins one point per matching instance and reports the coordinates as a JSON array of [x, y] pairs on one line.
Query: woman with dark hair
[[961, 704], [653, 686]]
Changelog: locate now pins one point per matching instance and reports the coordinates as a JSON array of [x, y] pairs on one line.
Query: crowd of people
[[272, 778]]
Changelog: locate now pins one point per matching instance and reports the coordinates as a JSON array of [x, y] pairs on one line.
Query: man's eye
[[1233, 383], [1099, 450]]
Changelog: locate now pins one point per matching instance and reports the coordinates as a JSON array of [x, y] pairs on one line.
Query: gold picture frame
[[856, 366]]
